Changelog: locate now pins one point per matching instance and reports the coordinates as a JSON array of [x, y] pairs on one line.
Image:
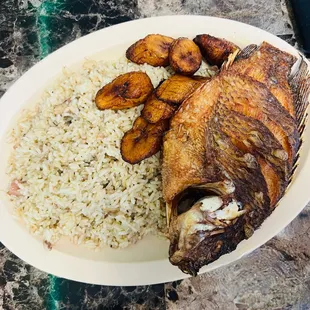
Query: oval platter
[[147, 261]]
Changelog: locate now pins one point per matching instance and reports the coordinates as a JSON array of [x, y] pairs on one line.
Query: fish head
[[202, 226]]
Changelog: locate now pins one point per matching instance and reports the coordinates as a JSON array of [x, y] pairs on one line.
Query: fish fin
[[299, 81], [247, 51], [231, 59]]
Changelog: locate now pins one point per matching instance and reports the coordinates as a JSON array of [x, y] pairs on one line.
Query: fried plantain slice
[[177, 87], [153, 50], [214, 50], [155, 110], [126, 91], [143, 140], [184, 56], [169, 95]]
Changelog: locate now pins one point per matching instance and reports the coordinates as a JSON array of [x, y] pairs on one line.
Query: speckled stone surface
[[276, 276]]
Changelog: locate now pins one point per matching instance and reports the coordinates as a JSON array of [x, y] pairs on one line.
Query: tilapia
[[229, 155]]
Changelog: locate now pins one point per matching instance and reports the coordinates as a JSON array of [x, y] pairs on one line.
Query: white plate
[[147, 262]]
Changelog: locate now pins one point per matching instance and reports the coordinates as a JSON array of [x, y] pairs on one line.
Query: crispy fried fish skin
[[152, 50], [271, 67], [126, 91], [167, 97], [214, 50], [143, 140], [231, 129], [184, 56]]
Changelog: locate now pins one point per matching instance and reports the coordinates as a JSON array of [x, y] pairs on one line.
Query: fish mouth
[[202, 219]]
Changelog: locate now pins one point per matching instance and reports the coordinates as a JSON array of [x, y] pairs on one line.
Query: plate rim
[[142, 274]]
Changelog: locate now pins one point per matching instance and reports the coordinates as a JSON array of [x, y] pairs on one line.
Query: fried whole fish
[[228, 157]]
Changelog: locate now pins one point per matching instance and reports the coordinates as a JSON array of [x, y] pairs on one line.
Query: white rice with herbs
[[68, 171]]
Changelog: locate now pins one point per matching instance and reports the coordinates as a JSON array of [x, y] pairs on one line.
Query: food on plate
[[184, 56], [227, 158], [230, 140], [155, 109], [67, 174], [67, 178], [167, 97], [126, 91], [143, 140], [214, 50], [152, 50]]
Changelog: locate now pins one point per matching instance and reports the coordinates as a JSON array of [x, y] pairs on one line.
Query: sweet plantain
[[177, 87], [155, 110], [143, 140], [184, 56], [126, 91], [153, 50], [214, 50], [167, 97]]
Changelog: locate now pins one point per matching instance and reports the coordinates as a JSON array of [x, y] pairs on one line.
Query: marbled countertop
[[276, 276]]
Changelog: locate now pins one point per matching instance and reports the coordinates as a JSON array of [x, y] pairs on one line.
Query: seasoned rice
[[67, 165]]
